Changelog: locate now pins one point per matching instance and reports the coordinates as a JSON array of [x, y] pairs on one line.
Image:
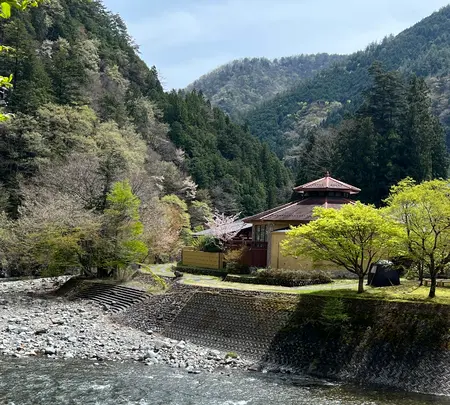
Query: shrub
[[285, 278], [201, 271], [292, 278], [234, 264], [206, 243]]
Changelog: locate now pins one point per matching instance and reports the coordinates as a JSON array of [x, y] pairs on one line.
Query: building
[[269, 227]]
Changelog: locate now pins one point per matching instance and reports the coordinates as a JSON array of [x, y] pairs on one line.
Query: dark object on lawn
[[383, 274]]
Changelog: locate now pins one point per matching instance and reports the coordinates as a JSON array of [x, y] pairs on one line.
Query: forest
[[99, 167], [241, 85], [393, 135], [423, 50]]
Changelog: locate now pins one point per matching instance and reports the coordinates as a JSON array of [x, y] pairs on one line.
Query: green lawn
[[407, 291]]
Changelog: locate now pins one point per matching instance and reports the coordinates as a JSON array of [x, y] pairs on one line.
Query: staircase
[[115, 297]]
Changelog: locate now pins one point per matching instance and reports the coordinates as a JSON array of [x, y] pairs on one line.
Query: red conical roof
[[327, 183]]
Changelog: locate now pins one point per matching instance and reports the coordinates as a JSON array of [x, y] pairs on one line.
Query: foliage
[[200, 213], [240, 85], [202, 271], [158, 280], [5, 12], [206, 243], [286, 278], [392, 135], [77, 75], [424, 211], [354, 237], [347, 80], [234, 261], [122, 229], [333, 312]]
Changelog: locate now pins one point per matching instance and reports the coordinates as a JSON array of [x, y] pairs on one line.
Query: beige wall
[[200, 259], [278, 261]]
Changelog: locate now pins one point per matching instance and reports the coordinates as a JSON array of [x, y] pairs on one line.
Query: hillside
[[76, 73], [423, 49], [238, 86]]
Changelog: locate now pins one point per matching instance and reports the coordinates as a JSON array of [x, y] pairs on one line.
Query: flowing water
[[42, 381]]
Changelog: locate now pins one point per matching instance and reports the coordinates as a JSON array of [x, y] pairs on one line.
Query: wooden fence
[[204, 260]]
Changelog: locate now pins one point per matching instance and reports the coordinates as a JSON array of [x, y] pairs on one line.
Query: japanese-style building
[[269, 227]]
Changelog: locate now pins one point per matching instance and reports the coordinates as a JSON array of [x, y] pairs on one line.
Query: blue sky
[[188, 38]]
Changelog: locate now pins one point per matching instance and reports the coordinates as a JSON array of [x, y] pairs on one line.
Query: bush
[[198, 270], [233, 259], [293, 278], [237, 268], [206, 243], [285, 278]]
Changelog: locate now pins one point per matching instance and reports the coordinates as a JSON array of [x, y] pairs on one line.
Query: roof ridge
[[281, 209]]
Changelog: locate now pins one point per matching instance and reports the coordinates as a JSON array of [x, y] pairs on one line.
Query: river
[[42, 381]]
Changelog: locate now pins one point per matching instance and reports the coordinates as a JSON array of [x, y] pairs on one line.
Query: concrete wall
[[403, 345]]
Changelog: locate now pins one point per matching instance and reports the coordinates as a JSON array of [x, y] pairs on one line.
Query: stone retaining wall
[[405, 345]]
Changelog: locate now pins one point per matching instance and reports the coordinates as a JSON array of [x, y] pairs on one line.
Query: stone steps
[[115, 297]]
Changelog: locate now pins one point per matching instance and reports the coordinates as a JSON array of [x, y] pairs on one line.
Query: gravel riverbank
[[35, 324]]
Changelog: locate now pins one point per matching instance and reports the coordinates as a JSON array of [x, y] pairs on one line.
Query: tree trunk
[[420, 265], [361, 284], [102, 272], [432, 293]]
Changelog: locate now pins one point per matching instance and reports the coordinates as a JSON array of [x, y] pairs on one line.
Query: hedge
[[198, 270], [285, 278]]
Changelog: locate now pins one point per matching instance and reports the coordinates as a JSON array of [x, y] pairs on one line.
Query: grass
[[408, 291], [215, 282]]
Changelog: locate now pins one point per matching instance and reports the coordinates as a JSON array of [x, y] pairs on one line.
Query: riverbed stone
[[59, 328]]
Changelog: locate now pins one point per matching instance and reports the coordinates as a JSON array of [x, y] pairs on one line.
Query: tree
[[200, 213], [122, 229], [424, 211], [5, 12], [354, 237], [50, 236], [223, 227]]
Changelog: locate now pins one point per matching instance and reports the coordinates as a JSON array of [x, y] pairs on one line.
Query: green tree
[[424, 211], [122, 229], [354, 237], [5, 12]]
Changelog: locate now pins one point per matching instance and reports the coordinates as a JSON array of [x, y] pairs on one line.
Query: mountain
[[79, 87], [423, 49], [238, 86]]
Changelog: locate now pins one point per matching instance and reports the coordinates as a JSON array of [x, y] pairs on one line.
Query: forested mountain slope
[[423, 49], [81, 94], [239, 86]]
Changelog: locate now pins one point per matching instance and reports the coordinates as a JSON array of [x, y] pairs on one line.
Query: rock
[[57, 321], [214, 353], [149, 332], [40, 331], [50, 350], [72, 339]]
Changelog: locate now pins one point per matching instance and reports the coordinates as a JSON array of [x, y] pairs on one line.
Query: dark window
[[260, 233]]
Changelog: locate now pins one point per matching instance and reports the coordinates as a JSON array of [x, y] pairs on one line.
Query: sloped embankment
[[399, 344]]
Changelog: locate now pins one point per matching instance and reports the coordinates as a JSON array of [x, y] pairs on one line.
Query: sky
[[185, 39]]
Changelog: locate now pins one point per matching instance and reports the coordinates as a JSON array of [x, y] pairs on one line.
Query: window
[[260, 233]]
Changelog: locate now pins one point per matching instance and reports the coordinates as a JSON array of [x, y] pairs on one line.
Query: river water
[[43, 381]]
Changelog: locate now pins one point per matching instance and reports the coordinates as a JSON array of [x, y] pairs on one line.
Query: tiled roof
[[237, 226], [299, 211], [328, 183]]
